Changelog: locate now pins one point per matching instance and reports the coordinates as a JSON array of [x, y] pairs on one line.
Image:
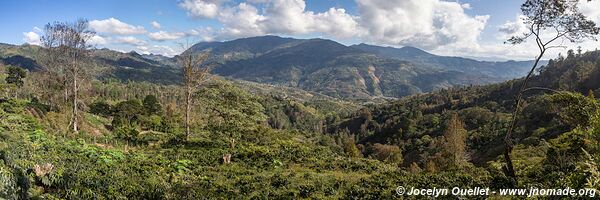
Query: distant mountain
[[502, 70], [317, 65], [356, 72], [107, 63], [486, 110]]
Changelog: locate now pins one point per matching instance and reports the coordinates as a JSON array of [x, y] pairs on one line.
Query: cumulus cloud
[[155, 25], [164, 35], [528, 49], [513, 27], [131, 41], [426, 24], [98, 40], [201, 8], [31, 38], [114, 26], [276, 17]]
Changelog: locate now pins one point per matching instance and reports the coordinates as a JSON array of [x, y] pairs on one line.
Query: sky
[[468, 28]]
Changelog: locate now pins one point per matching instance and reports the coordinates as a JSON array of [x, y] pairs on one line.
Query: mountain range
[[321, 66], [355, 72]]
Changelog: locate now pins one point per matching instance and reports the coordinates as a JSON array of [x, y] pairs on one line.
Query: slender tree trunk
[[188, 106], [510, 171], [66, 91], [74, 97]]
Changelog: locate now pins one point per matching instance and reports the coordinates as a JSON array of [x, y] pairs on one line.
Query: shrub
[[101, 108]]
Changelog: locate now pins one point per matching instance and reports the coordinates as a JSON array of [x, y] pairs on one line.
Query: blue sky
[[462, 28]]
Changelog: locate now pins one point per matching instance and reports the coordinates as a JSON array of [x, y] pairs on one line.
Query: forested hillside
[[502, 70], [359, 72], [556, 137], [269, 117], [104, 63], [130, 144], [348, 72]]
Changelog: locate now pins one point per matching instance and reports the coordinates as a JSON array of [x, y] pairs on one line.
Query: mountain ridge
[[357, 72]]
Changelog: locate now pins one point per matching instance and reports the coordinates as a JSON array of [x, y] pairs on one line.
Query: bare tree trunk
[[188, 106], [509, 170], [74, 97], [66, 92]]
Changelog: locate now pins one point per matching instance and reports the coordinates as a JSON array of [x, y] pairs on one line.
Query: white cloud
[[115, 26], [31, 38], [158, 49], [510, 28], [439, 26], [427, 24], [155, 25], [291, 17], [529, 49], [590, 10], [98, 40], [201, 8], [277, 17], [466, 6], [204, 34], [131, 41], [164, 35]]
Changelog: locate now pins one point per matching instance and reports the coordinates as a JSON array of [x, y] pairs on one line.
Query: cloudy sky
[[471, 28]]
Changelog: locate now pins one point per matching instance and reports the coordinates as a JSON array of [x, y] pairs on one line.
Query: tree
[[194, 73], [101, 108], [151, 105], [67, 43], [563, 19], [15, 76], [386, 153], [126, 113], [456, 136]]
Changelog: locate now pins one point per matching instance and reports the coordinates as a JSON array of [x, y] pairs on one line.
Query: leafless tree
[[195, 71], [547, 21], [67, 46]]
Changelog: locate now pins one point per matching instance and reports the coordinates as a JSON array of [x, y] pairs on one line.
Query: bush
[[127, 133], [101, 108], [385, 153]]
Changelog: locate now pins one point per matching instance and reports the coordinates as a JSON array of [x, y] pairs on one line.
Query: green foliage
[[15, 75], [127, 113], [279, 151], [234, 113], [101, 108], [151, 105], [385, 153], [574, 109]]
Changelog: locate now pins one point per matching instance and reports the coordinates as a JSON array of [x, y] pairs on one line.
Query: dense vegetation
[[349, 72], [80, 123], [501, 70], [130, 144], [557, 137]]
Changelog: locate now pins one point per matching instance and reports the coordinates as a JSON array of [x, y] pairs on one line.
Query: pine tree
[[456, 136]]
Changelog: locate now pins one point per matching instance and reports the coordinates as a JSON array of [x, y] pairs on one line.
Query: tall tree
[[15, 77], [547, 21], [194, 72], [67, 43], [151, 105], [456, 138]]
